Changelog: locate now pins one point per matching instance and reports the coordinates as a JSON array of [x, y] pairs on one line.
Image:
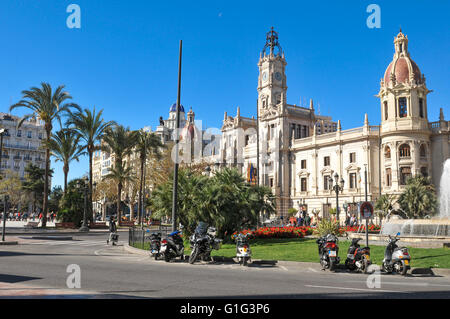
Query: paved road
[[38, 268]]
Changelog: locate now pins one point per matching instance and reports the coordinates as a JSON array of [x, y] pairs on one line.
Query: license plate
[[406, 262], [350, 256], [154, 251], [332, 253], [367, 257]]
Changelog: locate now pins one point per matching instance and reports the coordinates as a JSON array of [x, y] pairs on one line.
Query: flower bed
[[276, 232], [372, 229]]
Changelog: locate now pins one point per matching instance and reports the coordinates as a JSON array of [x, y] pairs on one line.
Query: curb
[[424, 271], [7, 243]]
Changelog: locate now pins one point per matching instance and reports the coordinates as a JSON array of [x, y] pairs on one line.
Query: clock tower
[[273, 126]]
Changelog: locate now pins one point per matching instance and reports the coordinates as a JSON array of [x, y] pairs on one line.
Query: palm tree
[[419, 197], [119, 141], [48, 106], [91, 128], [65, 147], [384, 205], [146, 143]]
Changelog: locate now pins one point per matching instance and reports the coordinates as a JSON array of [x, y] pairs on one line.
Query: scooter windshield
[[202, 228]]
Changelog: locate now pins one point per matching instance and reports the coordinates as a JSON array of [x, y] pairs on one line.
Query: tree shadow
[[12, 279]]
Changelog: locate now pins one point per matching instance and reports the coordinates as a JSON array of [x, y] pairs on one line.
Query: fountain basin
[[434, 227]]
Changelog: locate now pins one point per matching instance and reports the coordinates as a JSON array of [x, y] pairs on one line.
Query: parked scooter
[[202, 242], [243, 251], [172, 246], [358, 258], [155, 245], [328, 251], [396, 259]]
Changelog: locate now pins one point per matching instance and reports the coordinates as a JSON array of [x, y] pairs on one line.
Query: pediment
[[326, 170], [269, 113], [353, 167], [303, 172]]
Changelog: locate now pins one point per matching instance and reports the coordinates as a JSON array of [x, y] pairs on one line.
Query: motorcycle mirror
[[398, 234]]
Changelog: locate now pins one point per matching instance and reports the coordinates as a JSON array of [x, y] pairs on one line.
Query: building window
[[387, 152], [40, 136], [29, 134], [271, 182], [405, 174], [388, 177], [326, 182], [423, 151], [353, 181], [303, 184], [386, 112], [326, 161], [404, 151], [421, 112], [402, 107], [303, 164], [352, 157], [19, 133]]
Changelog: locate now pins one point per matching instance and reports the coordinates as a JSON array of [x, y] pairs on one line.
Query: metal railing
[[139, 237]]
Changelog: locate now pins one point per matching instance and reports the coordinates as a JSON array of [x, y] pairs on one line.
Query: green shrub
[[327, 226]]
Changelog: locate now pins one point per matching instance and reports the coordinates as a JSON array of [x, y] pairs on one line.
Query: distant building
[[22, 145]]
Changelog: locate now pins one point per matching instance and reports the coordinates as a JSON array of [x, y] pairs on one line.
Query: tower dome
[[173, 108], [402, 69]]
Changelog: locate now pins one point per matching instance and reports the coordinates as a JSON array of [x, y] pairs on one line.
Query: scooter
[[328, 251], [155, 245], [358, 258], [243, 251], [172, 246], [396, 259]]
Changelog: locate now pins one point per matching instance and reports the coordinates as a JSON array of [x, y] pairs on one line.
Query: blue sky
[[124, 59]]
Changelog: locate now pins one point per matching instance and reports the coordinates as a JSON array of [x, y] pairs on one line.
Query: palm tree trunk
[[46, 183], [140, 193], [90, 209], [119, 192], [66, 172]]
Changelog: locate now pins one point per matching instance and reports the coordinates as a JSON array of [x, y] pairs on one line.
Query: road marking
[[347, 288]]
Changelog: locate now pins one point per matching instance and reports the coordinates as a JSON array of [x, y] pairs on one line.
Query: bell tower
[[272, 78]]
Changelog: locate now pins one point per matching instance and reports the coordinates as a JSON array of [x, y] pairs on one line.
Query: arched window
[[387, 152], [423, 151], [404, 151]]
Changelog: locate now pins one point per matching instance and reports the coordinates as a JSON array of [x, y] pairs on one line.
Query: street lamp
[[337, 187], [84, 227]]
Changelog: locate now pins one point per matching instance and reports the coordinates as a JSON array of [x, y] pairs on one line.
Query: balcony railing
[[17, 157], [38, 159], [23, 147], [28, 158]]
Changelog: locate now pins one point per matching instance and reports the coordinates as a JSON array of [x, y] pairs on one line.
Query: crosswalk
[[81, 243]]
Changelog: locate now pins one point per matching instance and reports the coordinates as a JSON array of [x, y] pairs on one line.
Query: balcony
[[5, 156], [17, 157], [38, 159], [28, 158]]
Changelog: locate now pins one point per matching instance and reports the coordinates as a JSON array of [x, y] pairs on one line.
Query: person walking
[[112, 230]]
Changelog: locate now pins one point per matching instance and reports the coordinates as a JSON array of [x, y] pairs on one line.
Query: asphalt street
[[39, 269]]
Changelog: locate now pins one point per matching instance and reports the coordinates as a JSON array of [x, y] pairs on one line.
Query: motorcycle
[[328, 251], [172, 246], [396, 259], [202, 242], [358, 258], [243, 251], [155, 245]]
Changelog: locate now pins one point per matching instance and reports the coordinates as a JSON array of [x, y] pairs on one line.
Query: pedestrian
[[353, 220], [307, 220], [298, 215]]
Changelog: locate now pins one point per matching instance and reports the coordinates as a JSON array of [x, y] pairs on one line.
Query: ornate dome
[[173, 108], [402, 69]]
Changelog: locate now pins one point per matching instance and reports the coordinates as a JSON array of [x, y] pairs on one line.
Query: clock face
[[264, 76], [278, 76]]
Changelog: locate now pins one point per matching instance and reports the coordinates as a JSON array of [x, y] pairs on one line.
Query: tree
[[106, 192], [419, 197], [34, 184], [146, 143], [384, 205], [119, 141], [72, 203], [12, 186], [48, 106], [225, 201], [55, 198], [65, 147], [91, 127]]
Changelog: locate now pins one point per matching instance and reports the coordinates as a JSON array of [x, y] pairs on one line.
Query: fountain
[[435, 228]]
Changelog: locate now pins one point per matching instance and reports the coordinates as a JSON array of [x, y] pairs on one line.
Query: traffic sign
[[366, 210]]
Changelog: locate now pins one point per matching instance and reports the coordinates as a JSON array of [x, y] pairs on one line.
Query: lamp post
[[337, 187], [2, 132], [94, 185], [84, 227]]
